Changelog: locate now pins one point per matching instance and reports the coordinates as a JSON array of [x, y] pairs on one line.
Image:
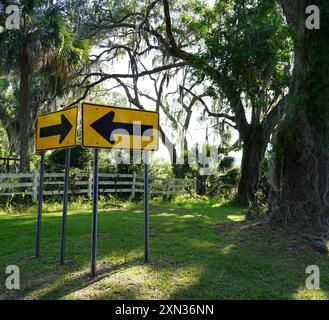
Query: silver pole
[[42, 172], [65, 203], [95, 213], [146, 206]]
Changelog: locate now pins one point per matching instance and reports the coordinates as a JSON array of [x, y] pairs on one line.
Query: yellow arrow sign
[[57, 130], [119, 128]]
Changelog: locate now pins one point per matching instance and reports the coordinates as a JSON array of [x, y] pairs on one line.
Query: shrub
[[80, 158]]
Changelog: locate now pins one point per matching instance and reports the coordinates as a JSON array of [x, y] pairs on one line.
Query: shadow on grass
[[195, 254], [84, 280]]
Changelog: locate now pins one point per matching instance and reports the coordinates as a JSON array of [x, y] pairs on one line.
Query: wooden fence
[[81, 184]]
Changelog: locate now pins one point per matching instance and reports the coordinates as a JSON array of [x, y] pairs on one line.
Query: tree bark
[[254, 148], [24, 112], [13, 138], [300, 185]]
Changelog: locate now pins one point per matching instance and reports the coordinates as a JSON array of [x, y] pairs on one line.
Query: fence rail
[[81, 184]]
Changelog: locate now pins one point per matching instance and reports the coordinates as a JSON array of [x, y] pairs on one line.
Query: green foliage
[[15, 203], [161, 169], [248, 50], [226, 163], [264, 182], [181, 171], [130, 168], [105, 163], [8, 114], [4, 144], [54, 52], [80, 159], [223, 183], [43, 26], [196, 18]]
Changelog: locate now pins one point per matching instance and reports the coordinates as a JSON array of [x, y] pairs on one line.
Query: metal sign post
[[146, 206], [95, 213], [42, 172], [109, 127], [65, 203], [56, 130]]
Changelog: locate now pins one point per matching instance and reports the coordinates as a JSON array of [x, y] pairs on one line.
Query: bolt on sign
[[57, 130], [119, 128]]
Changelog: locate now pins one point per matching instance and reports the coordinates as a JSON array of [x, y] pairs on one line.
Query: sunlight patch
[[202, 244], [143, 282], [217, 205], [236, 218], [228, 248], [166, 215], [189, 216], [310, 294]]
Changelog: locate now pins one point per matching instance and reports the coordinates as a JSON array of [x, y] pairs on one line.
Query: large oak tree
[[301, 172], [241, 46]]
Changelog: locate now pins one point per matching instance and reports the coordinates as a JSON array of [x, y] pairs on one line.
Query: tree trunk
[[181, 170], [24, 112], [301, 163], [13, 138], [253, 154]]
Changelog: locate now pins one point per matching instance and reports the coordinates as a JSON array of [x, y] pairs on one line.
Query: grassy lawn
[[199, 250]]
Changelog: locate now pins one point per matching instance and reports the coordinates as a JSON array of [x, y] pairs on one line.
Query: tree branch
[[210, 113]]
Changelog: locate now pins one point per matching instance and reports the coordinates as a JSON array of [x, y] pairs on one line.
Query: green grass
[[199, 250]]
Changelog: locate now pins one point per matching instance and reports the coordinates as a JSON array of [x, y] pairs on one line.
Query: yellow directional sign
[[57, 130], [119, 128]]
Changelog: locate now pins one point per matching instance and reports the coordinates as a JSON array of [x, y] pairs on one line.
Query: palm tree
[[43, 44]]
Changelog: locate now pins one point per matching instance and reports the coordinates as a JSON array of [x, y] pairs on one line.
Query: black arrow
[[61, 130], [106, 127]]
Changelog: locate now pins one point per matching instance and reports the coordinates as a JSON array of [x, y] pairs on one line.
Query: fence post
[[116, 177], [168, 190], [133, 187], [90, 184], [35, 178]]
